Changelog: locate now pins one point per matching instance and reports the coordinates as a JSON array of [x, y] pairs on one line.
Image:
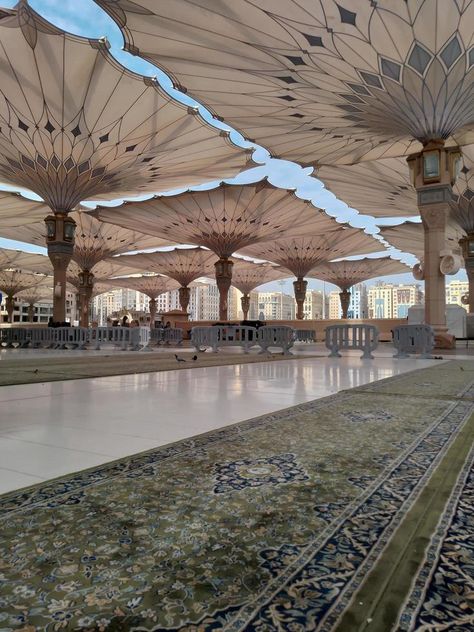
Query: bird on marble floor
[[178, 359], [195, 358]]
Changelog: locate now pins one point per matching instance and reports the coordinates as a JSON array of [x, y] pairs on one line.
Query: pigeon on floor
[[35, 371], [195, 358], [178, 359]]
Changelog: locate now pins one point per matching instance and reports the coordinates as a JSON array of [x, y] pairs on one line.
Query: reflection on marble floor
[[51, 429]]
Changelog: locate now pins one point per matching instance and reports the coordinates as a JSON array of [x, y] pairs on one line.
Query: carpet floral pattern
[[270, 524], [443, 591]]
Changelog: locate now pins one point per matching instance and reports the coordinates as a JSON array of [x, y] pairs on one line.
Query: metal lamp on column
[[300, 286]]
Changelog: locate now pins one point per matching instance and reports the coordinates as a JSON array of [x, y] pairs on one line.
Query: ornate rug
[[270, 524], [442, 596]]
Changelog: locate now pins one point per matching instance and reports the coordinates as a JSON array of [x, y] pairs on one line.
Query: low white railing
[[64, 337], [341, 337], [305, 335], [413, 339], [224, 335], [282, 337]]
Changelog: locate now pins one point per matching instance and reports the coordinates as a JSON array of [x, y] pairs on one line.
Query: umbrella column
[[10, 306], [300, 286], [60, 242], [433, 172], [345, 298], [184, 297], [224, 280], [245, 304], [85, 289], [152, 309], [31, 312]]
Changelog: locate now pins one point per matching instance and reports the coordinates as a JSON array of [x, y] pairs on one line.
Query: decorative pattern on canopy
[[151, 285], [181, 264], [224, 219], [302, 254], [246, 276], [75, 124], [328, 81], [345, 274], [94, 240], [409, 237]]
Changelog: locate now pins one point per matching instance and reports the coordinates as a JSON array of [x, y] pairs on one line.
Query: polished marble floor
[[51, 429]]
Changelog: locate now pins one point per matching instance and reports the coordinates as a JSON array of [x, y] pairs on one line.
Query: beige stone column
[[224, 281], [245, 304], [434, 218], [60, 243], [433, 172], [31, 312], [345, 298], [300, 286], [184, 297], [152, 309], [85, 289], [10, 306]]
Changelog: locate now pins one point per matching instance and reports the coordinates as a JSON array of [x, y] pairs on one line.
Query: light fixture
[[412, 166], [431, 166], [50, 222], [455, 164], [69, 228]]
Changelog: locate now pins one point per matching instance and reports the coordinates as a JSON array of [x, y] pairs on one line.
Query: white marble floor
[[51, 429]]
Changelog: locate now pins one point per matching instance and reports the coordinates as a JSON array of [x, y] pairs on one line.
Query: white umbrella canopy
[[181, 264], [24, 261], [330, 82], [246, 275], [17, 210], [152, 285], [299, 255], [224, 219], [346, 273], [75, 124], [14, 281], [94, 240], [409, 237]]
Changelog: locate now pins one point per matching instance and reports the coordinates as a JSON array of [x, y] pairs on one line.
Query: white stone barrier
[[278, 336], [305, 335], [413, 339], [341, 337], [224, 335]]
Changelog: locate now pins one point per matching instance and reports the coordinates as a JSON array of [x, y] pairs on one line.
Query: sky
[[84, 17]]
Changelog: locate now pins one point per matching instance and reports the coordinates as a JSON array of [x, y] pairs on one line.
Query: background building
[[386, 300], [276, 306], [454, 291]]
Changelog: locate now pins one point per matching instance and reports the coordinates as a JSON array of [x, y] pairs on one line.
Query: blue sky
[[83, 17]]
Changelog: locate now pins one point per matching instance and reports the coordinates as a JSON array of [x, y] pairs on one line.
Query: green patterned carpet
[[270, 524]]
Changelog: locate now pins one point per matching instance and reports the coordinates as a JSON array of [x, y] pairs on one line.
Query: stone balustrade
[[413, 339], [342, 337]]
